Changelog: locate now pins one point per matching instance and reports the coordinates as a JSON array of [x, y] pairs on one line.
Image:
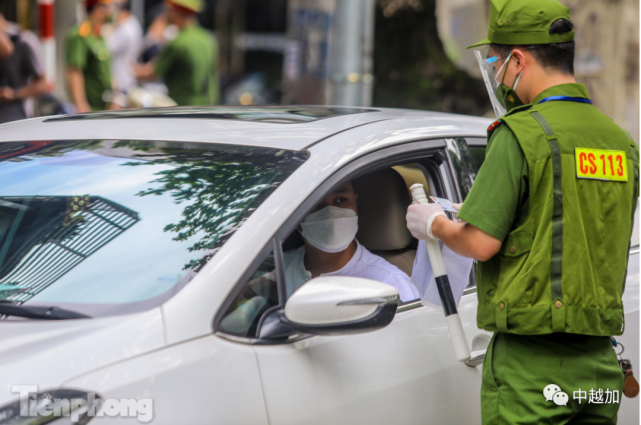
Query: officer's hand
[[420, 218]]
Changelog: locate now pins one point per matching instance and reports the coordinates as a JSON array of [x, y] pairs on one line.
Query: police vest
[[564, 268]]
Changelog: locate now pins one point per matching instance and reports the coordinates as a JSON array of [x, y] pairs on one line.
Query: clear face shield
[[493, 76], [493, 69]]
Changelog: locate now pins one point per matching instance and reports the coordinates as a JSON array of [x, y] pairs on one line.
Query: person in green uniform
[[549, 220], [188, 64], [88, 61]]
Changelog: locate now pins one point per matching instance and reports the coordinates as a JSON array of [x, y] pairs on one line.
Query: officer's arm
[[76, 61], [466, 239], [490, 208], [76, 83], [158, 67], [144, 71]]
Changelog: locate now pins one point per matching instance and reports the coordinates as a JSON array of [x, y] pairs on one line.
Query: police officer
[[88, 60], [549, 220], [187, 65]]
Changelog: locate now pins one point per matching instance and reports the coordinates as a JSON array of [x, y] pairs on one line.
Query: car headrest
[[382, 205]]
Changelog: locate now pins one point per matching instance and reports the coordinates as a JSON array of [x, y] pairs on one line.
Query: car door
[[405, 373]]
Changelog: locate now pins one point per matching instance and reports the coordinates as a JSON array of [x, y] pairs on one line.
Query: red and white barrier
[[46, 18]]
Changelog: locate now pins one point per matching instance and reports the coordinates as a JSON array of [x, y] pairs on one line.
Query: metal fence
[[39, 254]]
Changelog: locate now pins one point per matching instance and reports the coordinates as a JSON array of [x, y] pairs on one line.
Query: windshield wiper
[[35, 312]]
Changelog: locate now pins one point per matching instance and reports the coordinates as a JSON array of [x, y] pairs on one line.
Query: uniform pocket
[[610, 374], [517, 244], [514, 255], [492, 363]]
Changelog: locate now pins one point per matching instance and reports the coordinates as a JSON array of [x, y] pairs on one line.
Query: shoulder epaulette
[[494, 126], [84, 29]]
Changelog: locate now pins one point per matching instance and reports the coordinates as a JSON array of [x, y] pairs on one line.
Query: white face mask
[[331, 229]]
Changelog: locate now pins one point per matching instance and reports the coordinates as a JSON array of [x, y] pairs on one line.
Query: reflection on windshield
[[123, 222], [46, 236]]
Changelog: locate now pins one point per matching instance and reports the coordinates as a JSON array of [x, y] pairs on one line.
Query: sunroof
[[267, 114]]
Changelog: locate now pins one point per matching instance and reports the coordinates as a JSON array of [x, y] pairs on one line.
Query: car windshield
[[106, 226]]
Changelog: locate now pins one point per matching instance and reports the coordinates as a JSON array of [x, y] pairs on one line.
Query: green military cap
[[523, 22], [193, 6]]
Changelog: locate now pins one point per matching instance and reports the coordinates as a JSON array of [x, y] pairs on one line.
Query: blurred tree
[[220, 188], [411, 68]]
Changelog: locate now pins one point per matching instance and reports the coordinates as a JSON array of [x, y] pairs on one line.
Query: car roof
[[282, 127]]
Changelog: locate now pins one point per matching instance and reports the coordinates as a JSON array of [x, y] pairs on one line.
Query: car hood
[[49, 353]]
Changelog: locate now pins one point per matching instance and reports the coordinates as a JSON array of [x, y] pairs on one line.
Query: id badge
[[599, 164], [445, 203]]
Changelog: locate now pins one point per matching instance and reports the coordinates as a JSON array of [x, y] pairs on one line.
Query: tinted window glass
[[257, 296], [478, 155], [123, 223]]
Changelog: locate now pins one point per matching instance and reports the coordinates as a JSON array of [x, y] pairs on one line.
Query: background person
[[21, 74], [187, 64], [37, 79], [124, 44], [552, 239], [88, 60], [159, 33]]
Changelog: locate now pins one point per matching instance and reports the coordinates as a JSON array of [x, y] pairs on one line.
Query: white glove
[[420, 218]]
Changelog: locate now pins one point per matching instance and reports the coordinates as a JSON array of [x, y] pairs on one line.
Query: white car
[[145, 232]]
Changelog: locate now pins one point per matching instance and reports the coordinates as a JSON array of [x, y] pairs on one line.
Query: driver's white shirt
[[362, 264]]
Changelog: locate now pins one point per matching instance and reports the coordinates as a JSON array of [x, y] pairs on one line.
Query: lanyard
[[567, 99]]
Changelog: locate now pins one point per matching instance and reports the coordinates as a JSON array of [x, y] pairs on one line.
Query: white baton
[[443, 285]]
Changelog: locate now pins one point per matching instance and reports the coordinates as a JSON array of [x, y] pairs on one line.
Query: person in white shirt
[[124, 43], [331, 249]]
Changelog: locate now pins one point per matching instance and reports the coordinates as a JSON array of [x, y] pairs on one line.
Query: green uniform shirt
[[89, 54], [498, 200], [187, 65], [565, 236], [499, 196]]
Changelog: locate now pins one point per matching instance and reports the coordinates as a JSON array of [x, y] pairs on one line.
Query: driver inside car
[[331, 248]]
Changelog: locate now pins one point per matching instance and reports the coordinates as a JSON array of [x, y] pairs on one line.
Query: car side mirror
[[336, 305]]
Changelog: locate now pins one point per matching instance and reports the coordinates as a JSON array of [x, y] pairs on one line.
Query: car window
[[382, 232], [259, 294], [384, 249], [478, 156], [463, 168], [122, 225], [473, 156]]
